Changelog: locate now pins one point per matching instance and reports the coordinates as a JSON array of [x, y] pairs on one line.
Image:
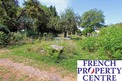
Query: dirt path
[[34, 72]]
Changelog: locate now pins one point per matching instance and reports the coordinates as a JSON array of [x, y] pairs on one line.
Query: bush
[[12, 38], [19, 38], [16, 37], [108, 42], [48, 36], [111, 41], [4, 38], [87, 30], [4, 29], [89, 44], [78, 32], [4, 35], [31, 33]]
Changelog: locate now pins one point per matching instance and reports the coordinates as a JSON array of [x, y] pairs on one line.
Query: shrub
[[17, 37], [87, 30], [4, 38], [4, 29], [4, 35], [48, 36], [78, 32], [111, 41], [31, 33], [108, 42], [89, 44], [12, 38]]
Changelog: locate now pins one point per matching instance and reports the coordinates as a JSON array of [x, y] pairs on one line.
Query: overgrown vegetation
[[29, 32], [108, 42], [41, 51], [107, 45]]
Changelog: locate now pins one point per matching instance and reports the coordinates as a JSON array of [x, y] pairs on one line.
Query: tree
[[53, 11], [10, 14], [36, 16], [68, 21], [92, 18], [54, 25]]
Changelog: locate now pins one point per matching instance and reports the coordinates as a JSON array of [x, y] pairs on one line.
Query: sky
[[112, 9]]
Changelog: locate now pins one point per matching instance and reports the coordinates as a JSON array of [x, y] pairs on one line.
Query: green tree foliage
[[34, 12], [36, 16], [92, 18], [87, 30], [54, 24], [10, 14], [53, 11], [54, 21], [4, 29], [68, 21]]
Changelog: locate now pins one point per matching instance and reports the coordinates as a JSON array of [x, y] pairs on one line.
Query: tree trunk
[[65, 34]]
